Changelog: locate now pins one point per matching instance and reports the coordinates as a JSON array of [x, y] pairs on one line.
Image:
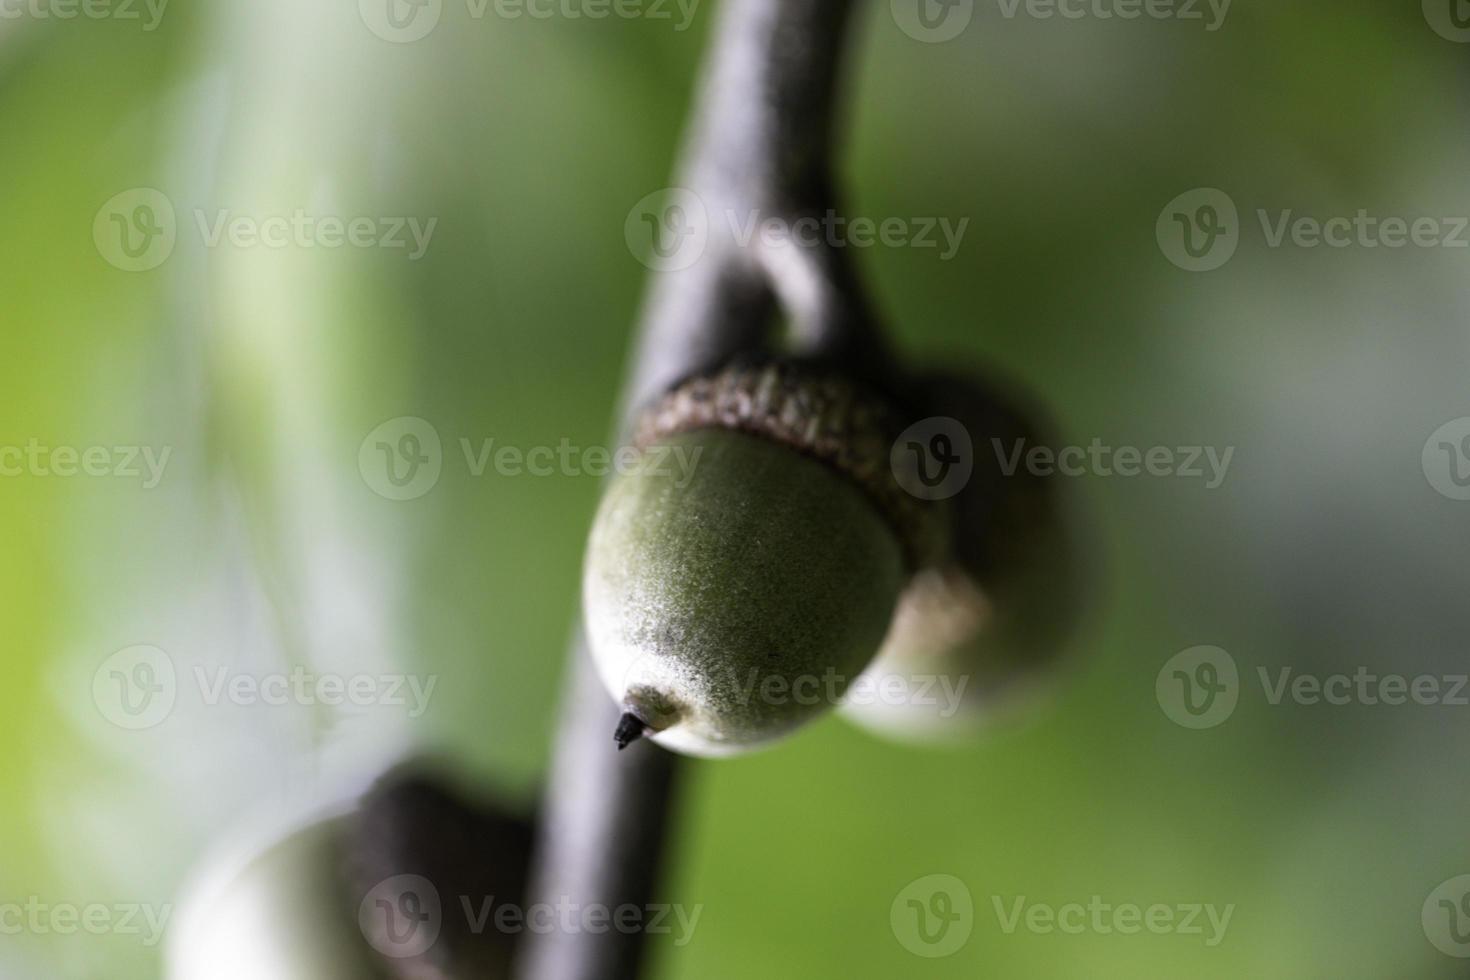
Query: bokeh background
[[263, 370]]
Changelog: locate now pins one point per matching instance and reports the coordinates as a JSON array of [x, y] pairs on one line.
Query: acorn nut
[[745, 570], [975, 635]]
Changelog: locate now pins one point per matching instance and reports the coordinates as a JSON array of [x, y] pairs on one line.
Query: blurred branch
[[761, 143]]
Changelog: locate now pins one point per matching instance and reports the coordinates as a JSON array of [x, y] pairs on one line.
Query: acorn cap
[[819, 412], [415, 825]]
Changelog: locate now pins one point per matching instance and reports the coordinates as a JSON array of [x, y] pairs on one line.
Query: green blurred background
[[529, 140]]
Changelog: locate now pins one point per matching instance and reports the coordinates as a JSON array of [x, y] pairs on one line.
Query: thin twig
[[761, 144]]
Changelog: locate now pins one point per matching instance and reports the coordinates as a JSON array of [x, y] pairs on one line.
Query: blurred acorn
[[280, 914], [977, 633], [421, 858], [761, 541], [372, 893]]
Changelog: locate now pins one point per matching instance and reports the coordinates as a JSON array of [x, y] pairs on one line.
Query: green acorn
[[745, 571], [975, 635]]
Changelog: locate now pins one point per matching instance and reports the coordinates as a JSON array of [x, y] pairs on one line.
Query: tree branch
[[761, 145]]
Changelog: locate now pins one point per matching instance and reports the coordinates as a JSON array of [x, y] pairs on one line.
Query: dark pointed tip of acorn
[[630, 729]]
